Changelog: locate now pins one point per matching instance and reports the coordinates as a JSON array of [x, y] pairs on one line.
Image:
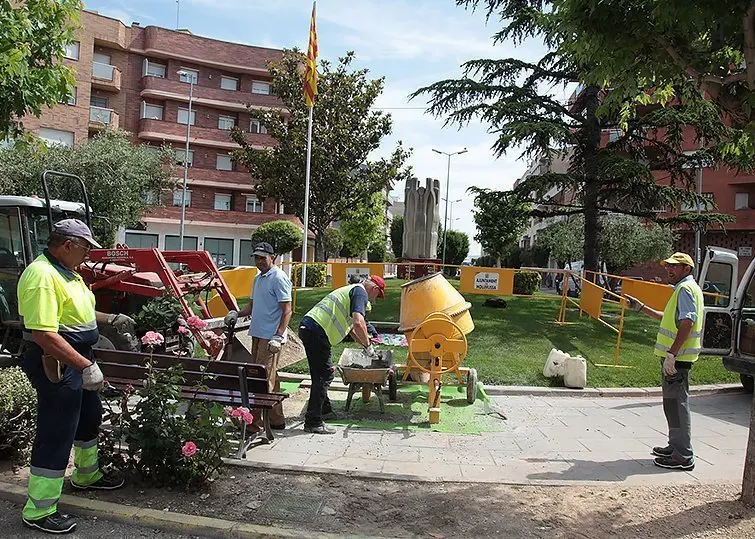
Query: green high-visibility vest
[[333, 314], [690, 349]]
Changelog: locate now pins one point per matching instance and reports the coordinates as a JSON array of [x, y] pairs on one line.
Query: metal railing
[[101, 115]]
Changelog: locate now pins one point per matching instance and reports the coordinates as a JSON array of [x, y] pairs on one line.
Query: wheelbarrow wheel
[[393, 386], [472, 386]]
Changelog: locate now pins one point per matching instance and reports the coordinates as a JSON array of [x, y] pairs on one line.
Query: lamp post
[[186, 159], [448, 181], [451, 212]]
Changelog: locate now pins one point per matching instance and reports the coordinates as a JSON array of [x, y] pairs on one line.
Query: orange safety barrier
[[591, 299], [478, 280]]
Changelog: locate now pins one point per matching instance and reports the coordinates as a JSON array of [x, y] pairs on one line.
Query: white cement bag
[[575, 372], [554, 365]]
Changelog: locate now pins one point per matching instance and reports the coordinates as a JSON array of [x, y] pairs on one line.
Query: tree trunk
[[592, 181], [320, 255], [748, 477]]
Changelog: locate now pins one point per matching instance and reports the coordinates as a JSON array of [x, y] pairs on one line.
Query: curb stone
[[166, 520]]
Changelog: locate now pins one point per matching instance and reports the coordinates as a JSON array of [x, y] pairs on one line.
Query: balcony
[[162, 131], [101, 119], [106, 77]]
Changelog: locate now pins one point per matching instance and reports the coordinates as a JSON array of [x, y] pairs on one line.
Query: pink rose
[[189, 449], [152, 338], [247, 418], [236, 412], [195, 322], [183, 330]]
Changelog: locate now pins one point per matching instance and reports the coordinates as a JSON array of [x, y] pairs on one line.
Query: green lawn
[[509, 346]]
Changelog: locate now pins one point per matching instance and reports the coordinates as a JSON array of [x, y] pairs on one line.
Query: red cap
[[380, 283]]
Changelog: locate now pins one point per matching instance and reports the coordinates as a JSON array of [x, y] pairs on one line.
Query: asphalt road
[[90, 528]]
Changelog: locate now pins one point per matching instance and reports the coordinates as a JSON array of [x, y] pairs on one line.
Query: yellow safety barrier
[[478, 280], [239, 281]]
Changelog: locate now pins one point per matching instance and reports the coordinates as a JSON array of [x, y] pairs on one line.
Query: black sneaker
[[282, 426], [331, 415], [659, 451], [55, 523], [672, 463], [320, 429], [106, 482]]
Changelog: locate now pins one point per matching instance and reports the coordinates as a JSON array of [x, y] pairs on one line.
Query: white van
[[729, 325]]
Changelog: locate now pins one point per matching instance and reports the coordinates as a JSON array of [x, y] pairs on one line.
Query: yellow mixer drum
[[431, 294]]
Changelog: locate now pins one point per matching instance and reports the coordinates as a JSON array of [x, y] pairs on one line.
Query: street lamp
[[448, 181], [451, 213], [190, 77]]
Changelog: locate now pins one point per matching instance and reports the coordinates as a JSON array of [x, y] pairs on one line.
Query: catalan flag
[[310, 72]]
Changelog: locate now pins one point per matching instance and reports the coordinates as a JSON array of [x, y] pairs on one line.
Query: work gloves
[[669, 364], [274, 345], [122, 323], [369, 351], [230, 319], [92, 378], [634, 304]]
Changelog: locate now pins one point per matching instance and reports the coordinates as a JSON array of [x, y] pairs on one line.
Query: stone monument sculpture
[[421, 219]]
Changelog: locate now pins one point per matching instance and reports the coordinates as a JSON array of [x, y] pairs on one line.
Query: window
[[152, 112], [72, 51], [97, 101], [172, 243], [245, 253], [151, 69], [183, 115], [101, 58], [262, 88], [141, 241], [256, 127], [229, 83], [226, 123], [188, 75], [55, 136], [149, 197], [742, 201], [614, 135], [224, 162], [180, 154], [178, 193], [222, 202], [221, 250], [717, 283], [253, 204], [71, 100]]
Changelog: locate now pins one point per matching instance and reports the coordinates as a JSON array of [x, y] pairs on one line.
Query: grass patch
[[509, 346]]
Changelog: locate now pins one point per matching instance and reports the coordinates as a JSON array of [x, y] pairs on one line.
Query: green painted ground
[[510, 346]]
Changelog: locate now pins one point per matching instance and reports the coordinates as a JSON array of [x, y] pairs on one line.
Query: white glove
[[669, 364], [274, 345], [92, 378], [634, 304], [370, 351]]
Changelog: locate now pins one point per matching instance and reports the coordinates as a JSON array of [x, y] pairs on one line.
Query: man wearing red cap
[[340, 313]]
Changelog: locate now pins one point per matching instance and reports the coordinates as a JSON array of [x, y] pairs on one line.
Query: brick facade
[[119, 94]]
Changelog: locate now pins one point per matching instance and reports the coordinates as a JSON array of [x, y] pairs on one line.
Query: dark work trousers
[[676, 408], [65, 412], [317, 347]]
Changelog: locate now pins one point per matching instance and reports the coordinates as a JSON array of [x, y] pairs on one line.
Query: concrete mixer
[[435, 319]]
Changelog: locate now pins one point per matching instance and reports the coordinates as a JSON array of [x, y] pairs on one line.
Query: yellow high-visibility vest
[[690, 349]]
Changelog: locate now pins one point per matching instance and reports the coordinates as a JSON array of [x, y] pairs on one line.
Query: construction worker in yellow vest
[[678, 346], [338, 314]]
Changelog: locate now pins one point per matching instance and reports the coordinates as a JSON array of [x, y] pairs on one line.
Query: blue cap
[[75, 229]]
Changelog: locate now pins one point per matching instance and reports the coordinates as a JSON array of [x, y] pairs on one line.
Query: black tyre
[[393, 387], [748, 382]]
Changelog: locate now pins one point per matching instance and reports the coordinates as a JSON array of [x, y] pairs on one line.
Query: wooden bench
[[231, 383]]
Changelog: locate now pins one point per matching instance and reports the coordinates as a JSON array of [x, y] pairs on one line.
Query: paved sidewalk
[[547, 440]]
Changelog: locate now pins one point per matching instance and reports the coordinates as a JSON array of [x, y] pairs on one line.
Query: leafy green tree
[[500, 218], [284, 236], [364, 225], [33, 38], [120, 176], [345, 130], [564, 240], [378, 252], [457, 248], [397, 236], [333, 242], [508, 95], [628, 242]]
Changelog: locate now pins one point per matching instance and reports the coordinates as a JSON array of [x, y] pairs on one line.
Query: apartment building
[[127, 77]]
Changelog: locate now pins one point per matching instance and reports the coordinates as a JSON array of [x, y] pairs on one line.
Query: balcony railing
[[103, 71], [101, 115]]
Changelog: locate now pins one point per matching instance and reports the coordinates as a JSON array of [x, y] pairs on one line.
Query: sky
[[412, 43]]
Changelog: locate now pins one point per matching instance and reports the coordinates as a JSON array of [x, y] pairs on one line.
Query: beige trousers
[[262, 356]]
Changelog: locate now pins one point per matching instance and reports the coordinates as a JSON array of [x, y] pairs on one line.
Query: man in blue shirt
[[270, 307]]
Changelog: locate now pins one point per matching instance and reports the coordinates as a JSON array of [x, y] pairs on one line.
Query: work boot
[[55, 523], [108, 481], [673, 463], [659, 451], [319, 429]]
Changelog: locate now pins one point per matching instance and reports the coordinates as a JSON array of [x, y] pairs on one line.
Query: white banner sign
[[356, 275], [486, 281]]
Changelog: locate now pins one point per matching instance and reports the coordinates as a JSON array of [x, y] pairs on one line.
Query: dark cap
[[263, 249], [75, 229]]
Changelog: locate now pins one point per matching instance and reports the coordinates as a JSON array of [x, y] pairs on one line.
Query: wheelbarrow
[[360, 371]]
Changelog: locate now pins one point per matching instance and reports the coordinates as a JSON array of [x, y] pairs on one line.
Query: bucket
[[429, 294]]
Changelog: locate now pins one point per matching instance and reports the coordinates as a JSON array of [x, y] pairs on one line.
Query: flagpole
[[306, 201]]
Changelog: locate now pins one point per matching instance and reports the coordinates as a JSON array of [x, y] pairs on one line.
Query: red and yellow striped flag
[[310, 72]]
